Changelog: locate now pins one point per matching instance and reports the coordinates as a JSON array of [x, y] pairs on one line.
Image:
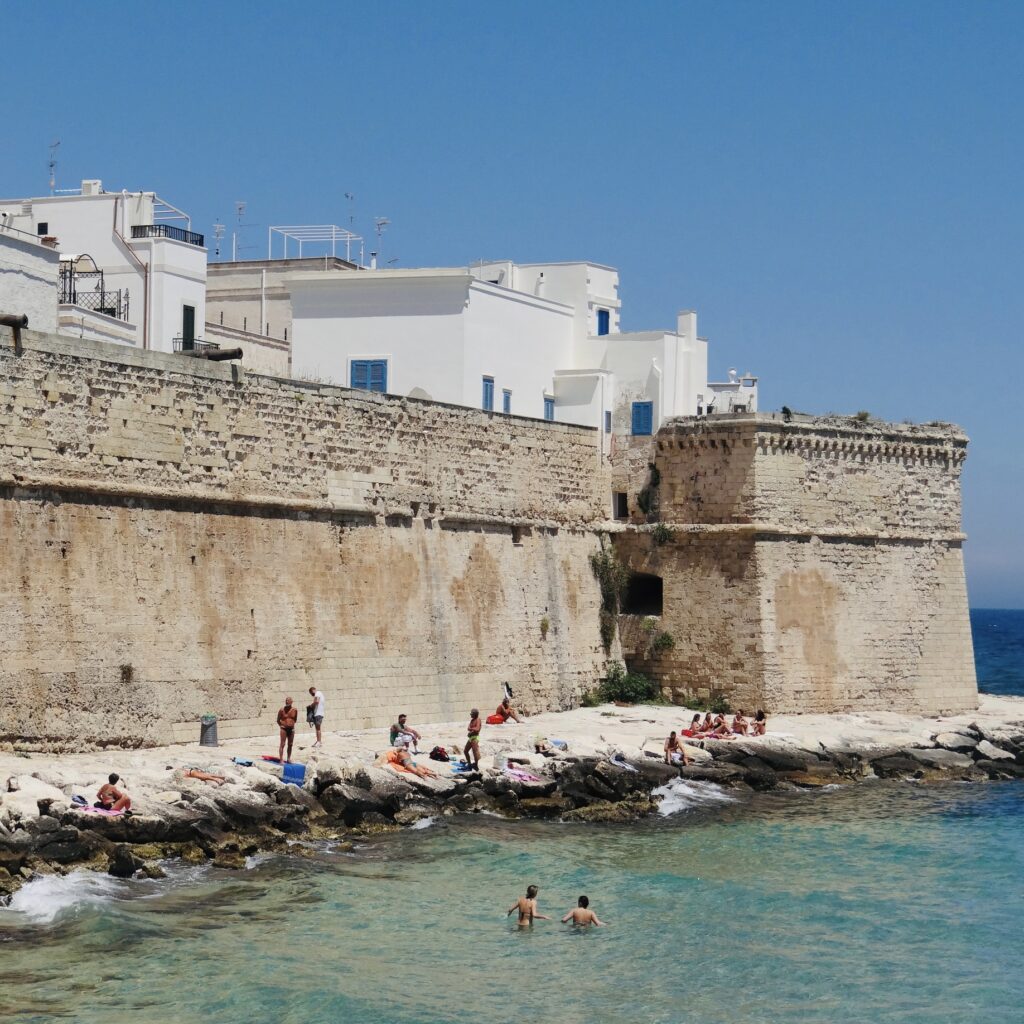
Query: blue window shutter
[[379, 375], [360, 373], [643, 418], [369, 374], [488, 399], [506, 401], [602, 321], [607, 421], [549, 408]]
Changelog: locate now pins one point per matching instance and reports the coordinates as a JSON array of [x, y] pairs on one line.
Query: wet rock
[[350, 802], [942, 758], [150, 870], [630, 809], [895, 766], [760, 779], [123, 863], [232, 860], [242, 806], [720, 773], [780, 759], [1001, 769], [545, 806], [192, 853], [412, 813], [812, 780], [657, 773], [990, 752]]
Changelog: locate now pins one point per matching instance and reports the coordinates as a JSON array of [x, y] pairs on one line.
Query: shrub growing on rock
[[629, 687]]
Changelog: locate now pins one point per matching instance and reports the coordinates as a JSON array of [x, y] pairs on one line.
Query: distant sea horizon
[[999, 649]]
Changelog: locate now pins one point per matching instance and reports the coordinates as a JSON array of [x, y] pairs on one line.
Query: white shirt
[[318, 711]]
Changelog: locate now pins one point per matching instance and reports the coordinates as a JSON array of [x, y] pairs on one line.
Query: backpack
[[439, 754]]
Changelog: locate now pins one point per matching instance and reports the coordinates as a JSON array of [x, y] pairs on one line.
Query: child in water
[[582, 915]]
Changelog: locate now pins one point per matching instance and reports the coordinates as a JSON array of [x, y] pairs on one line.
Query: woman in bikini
[[473, 739], [694, 729], [760, 723]]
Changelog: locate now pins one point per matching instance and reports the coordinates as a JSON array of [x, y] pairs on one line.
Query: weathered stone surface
[[895, 766], [123, 863], [544, 806], [956, 741], [990, 752], [941, 758]]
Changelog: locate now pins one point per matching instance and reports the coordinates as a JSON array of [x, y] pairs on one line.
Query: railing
[[86, 291], [182, 344], [167, 231]]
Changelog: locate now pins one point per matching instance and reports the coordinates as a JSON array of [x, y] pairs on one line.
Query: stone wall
[[178, 537], [809, 566]]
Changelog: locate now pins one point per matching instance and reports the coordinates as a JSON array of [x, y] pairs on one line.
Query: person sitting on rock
[[759, 724], [708, 725], [674, 752], [694, 729], [110, 798], [740, 725], [505, 711], [720, 727], [404, 735]]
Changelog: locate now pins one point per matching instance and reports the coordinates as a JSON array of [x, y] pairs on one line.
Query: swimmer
[[582, 915], [527, 907]]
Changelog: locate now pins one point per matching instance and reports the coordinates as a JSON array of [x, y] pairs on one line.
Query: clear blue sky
[[835, 187]]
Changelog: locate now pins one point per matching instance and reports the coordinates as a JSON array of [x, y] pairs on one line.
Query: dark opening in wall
[[643, 595], [620, 504]]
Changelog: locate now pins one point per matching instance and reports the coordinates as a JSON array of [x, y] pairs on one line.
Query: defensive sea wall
[[180, 537], [803, 565]]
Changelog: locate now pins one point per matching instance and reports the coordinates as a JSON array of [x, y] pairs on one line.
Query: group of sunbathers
[[717, 726]]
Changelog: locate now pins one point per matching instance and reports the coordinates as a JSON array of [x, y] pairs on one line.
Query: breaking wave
[[682, 795]]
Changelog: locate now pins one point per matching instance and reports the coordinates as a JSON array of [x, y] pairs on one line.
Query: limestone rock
[[990, 752], [545, 806], [956, 741], [123, 863], [941, 758], [895, 766]]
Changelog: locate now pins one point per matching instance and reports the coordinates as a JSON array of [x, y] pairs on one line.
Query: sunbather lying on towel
[[401, 761], [198, 773]]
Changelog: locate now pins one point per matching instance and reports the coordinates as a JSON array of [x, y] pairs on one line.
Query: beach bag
[[495, 720], [309, 714], [439, 754]]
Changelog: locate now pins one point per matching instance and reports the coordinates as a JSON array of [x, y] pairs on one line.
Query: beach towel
[[520, 776], [243, 761], [99, 810], [620, 763]]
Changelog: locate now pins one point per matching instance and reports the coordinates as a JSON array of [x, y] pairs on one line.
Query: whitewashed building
[[131, 270], [28, 278], [538, 340]]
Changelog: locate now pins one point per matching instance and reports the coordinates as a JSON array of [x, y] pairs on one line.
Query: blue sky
[[835, 187]]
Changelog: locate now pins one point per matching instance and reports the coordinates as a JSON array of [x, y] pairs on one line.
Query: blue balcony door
[[549, 408], [369, 374], [602, 321], [488, 396], [506, 401], [643, 418]]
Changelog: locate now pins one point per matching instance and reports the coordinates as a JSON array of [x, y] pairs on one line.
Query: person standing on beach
[[527, 907], [473, 739], [317, 707], [286, 719], [582, 915]]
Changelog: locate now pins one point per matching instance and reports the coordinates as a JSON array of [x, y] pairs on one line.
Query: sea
[[885, 901]]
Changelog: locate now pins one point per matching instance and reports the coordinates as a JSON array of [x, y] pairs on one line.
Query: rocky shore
[[611, 771]]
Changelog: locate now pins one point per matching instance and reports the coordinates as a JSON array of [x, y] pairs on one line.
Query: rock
[[780, 759], [657, 773], [634, 807], [233, 860], [192, 853], [123, 863], [761, 779], [350, 802], [715, 772], [545, 806], [412, 813], [941, 758], [150, 870], [1001, 769], [22, 801], [956, 741], [147, 851], [810, 780], [243, 806], [894, 766], [990, 752]]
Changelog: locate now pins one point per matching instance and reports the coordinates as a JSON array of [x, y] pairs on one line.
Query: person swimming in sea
[[527, 907], [581, 915]]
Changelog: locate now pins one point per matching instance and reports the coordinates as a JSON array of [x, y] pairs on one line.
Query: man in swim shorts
[[286, 719], [317, 708], [110, 798], [505, 711], [582, 915], [527, 907], [473, 739], [400, 729]]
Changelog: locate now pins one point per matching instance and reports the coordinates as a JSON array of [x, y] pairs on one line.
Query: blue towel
[[243, 761]]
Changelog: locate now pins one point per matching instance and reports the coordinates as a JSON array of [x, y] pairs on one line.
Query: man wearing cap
[[286, 719]]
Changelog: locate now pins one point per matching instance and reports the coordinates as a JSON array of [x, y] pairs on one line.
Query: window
[[488, 399], [43, 227], [549, 408], [643, 418], [188, 327], [644, 595], [369, 374], [602, 321], [620, 505], [506, 401], [608, 421]]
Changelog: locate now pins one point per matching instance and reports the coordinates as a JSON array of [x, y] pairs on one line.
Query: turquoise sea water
[[881, 902]]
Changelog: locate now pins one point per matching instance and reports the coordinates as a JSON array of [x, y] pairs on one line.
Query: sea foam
[[682, 795], [46, 897]]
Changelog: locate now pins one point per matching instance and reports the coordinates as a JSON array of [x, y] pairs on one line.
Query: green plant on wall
[[545, 625], [645, 501], [650, 623], [612, 578], [663, 642], [629, 687], [661, 534]]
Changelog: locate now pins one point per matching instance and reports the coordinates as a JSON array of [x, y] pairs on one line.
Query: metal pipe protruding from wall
[[16, 321], [218, 354]]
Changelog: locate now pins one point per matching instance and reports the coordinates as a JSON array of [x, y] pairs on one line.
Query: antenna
[[218, 234], [351, 210], [53, 165], [239, 212], [379, 223]]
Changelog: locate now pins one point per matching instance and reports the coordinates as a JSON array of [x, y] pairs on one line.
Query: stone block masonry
[[809, 566], [178, 537]]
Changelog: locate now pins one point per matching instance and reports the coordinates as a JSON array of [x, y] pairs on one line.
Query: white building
[[537, 340], [131, 269], [28, 278]]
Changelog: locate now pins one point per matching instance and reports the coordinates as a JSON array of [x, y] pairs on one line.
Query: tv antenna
[[218, 234], [53, 165], [351, 211], [239, 213]]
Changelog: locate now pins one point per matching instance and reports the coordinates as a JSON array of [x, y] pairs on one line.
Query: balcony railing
[[86, 291], [167, 231], [182, 344]]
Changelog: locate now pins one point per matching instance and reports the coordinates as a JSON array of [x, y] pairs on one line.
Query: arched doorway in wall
[[420, 393]]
